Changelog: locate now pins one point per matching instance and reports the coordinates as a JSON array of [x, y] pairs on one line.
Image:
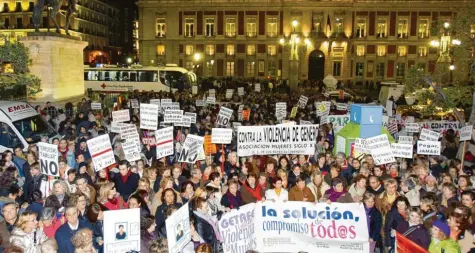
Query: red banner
[[405, 245]]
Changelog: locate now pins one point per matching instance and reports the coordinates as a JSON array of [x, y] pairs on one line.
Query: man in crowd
[[68, 230]]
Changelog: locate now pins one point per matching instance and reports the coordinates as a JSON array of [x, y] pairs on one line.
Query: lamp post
[[444, 46], [196, 59]]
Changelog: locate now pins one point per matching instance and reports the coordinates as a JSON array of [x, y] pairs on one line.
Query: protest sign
[[134, 103], [191, 148], [360, 146], [273, 140], [186, 121], [121, 116], [173, 116], [241, 91], [412, 127], [49, 156], [257, 87], [466, 133], [376, 142], [178, 229], [236, 125], [212, 93], [246, 114], [192, 116], [293, 113], [175, 106], [389, 108], [211, 100], [281, 110], [122, 230], [221, 135], [155, 101], [148, 116], [224, 116], [441, 126], [237, 229], [150, 140], [323, 108], [96, 106], [303, 101], [428, 135], [240, 109], [209, 147], [304, 122], [115, 127], [402, 150], [392, 126], [130, 151], [229, 93], [200, 103], [428, 147], [341, 106], [324, 120], [194, 89], [338, 121], [406, 140], [295, 226], [382, 155], [164, 140], [101, 151]]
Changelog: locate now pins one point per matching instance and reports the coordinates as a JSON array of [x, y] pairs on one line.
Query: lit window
[[251, 69], [251, 27], [361, 28], [421, 67], [381, 51], [380, 68], [161, 27], [423, 28], [360, 50], [317, 24], [161, 50], [272, 50], [422, 51], [382, 26], [230, 68], [230, 27], [189, 50], [209, 27], [359, 70], [251, 49], [230, 49], [189, 27], [402, 28], [401, 50], [272, 27], [209, 49], [400, 69], [337, 68], [338, 26]]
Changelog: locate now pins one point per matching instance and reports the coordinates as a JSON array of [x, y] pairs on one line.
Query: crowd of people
[[426, 199]]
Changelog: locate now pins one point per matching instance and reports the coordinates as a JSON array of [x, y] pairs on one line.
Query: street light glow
[[306, 41], [197, 57], [446, 24], [456, 42], [451, 67], [129, 60], [297, 40], [435, 43], [212, 62], [295, 23], [282, 41]]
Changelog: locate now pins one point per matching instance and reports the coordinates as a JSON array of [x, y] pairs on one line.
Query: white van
[[20, 125]]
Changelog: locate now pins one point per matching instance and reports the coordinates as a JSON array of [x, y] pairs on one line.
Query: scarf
[[124, 178], [256, 193], [233, 200], [210, 220], [333, 195]]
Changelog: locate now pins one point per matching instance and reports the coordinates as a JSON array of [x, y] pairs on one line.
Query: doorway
[[316, 65]]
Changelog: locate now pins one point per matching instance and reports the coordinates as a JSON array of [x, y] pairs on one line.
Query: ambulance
[[21, 125]]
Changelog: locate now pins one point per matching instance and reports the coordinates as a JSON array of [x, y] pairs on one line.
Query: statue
[[55, 6]]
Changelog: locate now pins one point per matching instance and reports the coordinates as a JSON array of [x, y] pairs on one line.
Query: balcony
[[230, 34], [251, 34], [272, 34]]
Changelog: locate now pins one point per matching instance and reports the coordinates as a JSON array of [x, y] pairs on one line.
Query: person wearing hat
[[441, 241]]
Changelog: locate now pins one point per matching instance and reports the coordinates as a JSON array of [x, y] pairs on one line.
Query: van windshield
[[34, 127]]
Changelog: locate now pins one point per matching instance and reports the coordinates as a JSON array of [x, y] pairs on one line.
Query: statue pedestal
[[58, 61], [294, 74]]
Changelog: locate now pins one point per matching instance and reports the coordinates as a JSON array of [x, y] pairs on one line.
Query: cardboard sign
[[221, 135], [200, 103], [241, 91], [191, 148], [130, 151], [281, 110], [121, 116], [49, 156], [428, 135], [466, 133], [96, 106], [178, 229], [303, 101], [101, 151], [134, 103], [155, 101], [412, 127], [428, 147], [324, 120], [211, 100], [402, 150], [122, 230], [209, 147], [194, 89], [229, 93], [164, 140], [212, 93], [341, 107], [148, 116], [293, 113], [173, 116], [382, 155], [257, 87], [406, 140], [224, 116], [246, 114], [192, 116], [360, 146], [377, 142]]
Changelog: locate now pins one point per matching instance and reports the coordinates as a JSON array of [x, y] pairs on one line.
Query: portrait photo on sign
[[179, 231], [121, 231]]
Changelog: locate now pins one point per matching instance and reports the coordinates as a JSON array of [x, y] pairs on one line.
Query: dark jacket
[[127, 188], [32, 185], [97, 231], [65, 233], [393, 219], [160, 219], [206, 231], [36, 207], [375, 223], [231, 201], [418, 234]]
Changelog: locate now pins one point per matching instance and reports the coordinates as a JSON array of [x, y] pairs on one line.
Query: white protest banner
[[166, 104], [49, 156], [191, 148], [178, 229], [186, 121], [295, 226], [212, 92], [130, 151], [412, 127], [402, 150], [101, 151], [441, 126], [241, 91], [221, 135], [406, 140], [281, 110], [115, 127], [211, 100], [277, 140], [175, 106], [428, 147], [257, 87], [134, 103], [360, 146], [229, 93], [324, 120], [237, 229], [303, 101], [129, 132], [382, 155], [428, 135], [341, 106], [200, 103], [224, 116], [194, 89], [148, 116], [164, 139], [121, 116], [155, 101], [338, 121], [304, 122], [96, 106], [376, 142], [122, 230], [192, 116], [173, 116], [466, 133]]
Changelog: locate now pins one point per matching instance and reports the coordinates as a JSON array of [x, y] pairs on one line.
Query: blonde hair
[[165, 181], [82, 240], [104, 191], [24, 219], [49, 246], [198, 192], [282, 174]]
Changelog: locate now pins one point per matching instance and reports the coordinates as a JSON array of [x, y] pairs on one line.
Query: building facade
[[96, 21], [357, 40]]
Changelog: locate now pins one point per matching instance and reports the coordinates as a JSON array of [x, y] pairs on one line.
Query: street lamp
[[295, 23], [197, 56], [129, 60], [451, 67]]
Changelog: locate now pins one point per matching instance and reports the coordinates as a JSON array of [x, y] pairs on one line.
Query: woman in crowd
[[206, 225], [95, 216], [410, 191], [232, 198], [26, 233], [413, 228], [277, 193], [109, 198], [337, 193], [169, 198], [147, 233], [82, 241], [358, 188], [300, 192], [393, 218], [187, 191], [136, 201], [374, 219], [165, 183], [317, 185], [250, 191], [50, 221]]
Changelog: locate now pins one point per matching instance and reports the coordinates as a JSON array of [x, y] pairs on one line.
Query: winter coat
[[127, 188], [445, 246], [392, 220], [375, 223], [206, 231], [29, 242], [295, 194], [418, 234], [64, 235]]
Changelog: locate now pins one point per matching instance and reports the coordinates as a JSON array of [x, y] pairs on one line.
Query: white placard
[[130, 150], [121, 116], [441, 126], [192, 116], [178, 229], [101, 151], [221, 135], [466, 133], [212, 93], [186, 121], [49, 156], [376, 142], [224, 116], [360, 146], [382, 155], [412, 127], [257, 87], [236, 125], [191, 149], [303, 101], [241, 91], [304, 122], [211, 100], [232, 228], [323, 108], [194, 89], [428, 135], [115, 127], [324, 119], [129, 220], [281, 110], [389, 108], [341, 106], [229, 93], [164, 139], [155, 101], [173, 116], [276, 140], [134, 103], [96, 106], [406, 140], [428, 147], [402, 150], [200, 103], [148, 116]]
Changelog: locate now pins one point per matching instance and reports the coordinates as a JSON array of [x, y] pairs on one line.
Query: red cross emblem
[[103, 86]]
